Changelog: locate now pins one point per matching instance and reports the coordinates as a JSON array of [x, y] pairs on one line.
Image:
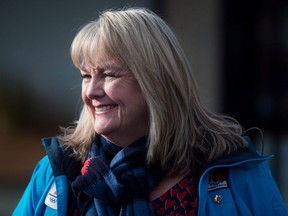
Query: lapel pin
[[218, 198]]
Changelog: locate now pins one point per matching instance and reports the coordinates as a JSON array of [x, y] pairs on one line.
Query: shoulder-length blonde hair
[[182, 133]]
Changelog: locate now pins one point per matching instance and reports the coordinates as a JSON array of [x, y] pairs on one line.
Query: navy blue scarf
[[116, 180]]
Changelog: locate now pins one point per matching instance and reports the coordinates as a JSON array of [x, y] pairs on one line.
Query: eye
[[109, 74], [85, 76]]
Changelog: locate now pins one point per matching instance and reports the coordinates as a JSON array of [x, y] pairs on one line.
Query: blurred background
[[238, 51]]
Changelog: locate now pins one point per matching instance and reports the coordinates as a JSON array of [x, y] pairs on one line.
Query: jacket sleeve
[[32, 200]]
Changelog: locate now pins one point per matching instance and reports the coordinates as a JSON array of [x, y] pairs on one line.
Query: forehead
[[99, 53], [94, 51], [102, 60]]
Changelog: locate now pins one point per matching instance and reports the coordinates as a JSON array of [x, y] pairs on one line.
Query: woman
[[144, 144]]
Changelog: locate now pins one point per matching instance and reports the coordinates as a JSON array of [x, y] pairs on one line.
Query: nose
[[95, 89]]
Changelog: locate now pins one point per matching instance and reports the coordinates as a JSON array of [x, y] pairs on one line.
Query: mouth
[[102, 109]]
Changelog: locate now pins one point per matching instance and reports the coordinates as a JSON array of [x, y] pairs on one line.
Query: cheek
[[85, 99], [139, 100]]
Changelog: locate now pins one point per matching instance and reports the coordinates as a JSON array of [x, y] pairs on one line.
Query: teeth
[[104, 108]]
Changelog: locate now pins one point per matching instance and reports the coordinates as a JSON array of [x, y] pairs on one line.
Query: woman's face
[[115, 100]]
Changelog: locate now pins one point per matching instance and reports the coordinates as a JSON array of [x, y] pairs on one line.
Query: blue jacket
[[251, 189]]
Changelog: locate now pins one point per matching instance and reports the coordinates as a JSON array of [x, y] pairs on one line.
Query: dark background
[[238, 51]]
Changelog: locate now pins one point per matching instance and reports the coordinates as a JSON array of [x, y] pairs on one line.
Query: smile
[[104, 108]]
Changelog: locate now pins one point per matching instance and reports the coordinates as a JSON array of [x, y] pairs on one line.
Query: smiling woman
[[144, 144], [115, 101]]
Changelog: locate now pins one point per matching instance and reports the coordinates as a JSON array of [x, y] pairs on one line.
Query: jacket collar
[[242, 156]]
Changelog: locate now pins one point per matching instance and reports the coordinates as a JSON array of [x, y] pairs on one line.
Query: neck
[[123, 141]]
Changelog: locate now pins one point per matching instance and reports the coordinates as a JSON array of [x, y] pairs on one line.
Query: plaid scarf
[[115, 181]]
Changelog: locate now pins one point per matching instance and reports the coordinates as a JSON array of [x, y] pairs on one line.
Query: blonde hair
[[182, 133]]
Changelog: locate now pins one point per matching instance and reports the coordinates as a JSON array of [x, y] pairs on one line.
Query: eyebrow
[[109, 64]]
